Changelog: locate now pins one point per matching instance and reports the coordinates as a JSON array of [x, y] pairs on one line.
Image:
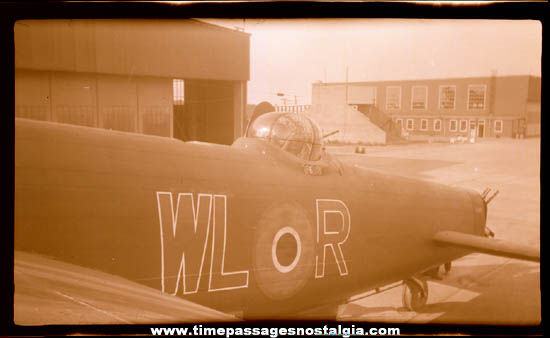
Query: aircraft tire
[[281, 273], [415, 296], [448, 266]]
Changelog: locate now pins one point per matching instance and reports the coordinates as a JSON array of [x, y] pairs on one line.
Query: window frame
[[484, 97], [399, 120], [501, 126], [407, 124], [466, 122], [178, 91], [454, 101], [399, 100], [434, 124], [421, 123], [451, 124], [425, 98]]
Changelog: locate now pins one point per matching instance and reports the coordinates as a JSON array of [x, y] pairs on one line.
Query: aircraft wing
[[48, 291], [486, 245]]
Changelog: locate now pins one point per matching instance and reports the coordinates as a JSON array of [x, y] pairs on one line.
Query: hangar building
[[494, 106], [176, 78]]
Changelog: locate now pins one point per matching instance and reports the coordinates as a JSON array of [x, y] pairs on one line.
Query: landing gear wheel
[[433, 273], [415, 294], [447, 267]]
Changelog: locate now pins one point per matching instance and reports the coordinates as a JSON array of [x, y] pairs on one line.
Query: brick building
[[493, 106]]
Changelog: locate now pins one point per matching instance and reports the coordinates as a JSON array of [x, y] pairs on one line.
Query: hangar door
[[205, 112]]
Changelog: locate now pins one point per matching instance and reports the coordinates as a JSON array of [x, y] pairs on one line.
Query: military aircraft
[[272, 226]]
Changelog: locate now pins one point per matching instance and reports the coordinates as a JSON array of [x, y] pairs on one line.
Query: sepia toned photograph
[[209, 170]]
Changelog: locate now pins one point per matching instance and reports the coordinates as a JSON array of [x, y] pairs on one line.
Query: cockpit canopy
[[294, 133]]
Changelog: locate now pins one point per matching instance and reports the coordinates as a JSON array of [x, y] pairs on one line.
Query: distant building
[[507, 106], [175, 78]]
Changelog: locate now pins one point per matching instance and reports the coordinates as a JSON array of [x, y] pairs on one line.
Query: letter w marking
[[184, 233]]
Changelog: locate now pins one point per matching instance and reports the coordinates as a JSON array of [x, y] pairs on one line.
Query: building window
[[453, 125], [447, 97], [399, 122], [498, 126], [437, 125], [179, 91], [423, 124], [410, 124], [463, 125], [419, 97], [476, 96], [393, 98]]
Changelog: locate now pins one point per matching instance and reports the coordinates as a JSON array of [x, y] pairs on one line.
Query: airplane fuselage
[[230, 227]]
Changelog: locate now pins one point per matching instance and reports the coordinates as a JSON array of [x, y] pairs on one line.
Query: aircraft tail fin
[[490, 246]]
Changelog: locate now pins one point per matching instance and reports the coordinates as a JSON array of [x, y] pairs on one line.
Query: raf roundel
[[284, 251], [286, 247]]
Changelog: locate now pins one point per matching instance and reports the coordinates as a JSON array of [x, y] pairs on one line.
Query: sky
[[287, 56]]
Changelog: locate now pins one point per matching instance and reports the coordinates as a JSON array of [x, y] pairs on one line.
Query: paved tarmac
[[480, 289]]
